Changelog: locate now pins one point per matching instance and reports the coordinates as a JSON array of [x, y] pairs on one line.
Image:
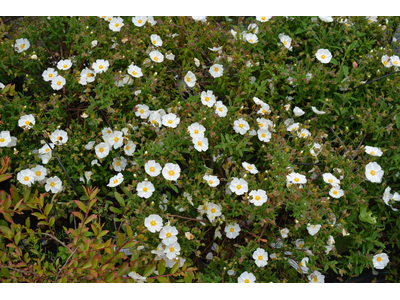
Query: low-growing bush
[[199, 149]]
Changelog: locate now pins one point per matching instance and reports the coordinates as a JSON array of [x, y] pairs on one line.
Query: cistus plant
[[199, 149]]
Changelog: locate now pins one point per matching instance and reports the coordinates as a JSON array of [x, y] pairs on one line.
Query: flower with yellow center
[[145, 189], [171, 171], [153, 223]]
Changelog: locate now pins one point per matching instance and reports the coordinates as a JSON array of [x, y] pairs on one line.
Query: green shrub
[[277, 115]]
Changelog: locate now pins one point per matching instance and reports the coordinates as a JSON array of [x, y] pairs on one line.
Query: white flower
[[2, 86], [251, 38], [386, 61], [102, 150], [116, 24], [145, 189], [304, 133], [135, 71], [324, 55], [213, 211], [209, 256], [395, 60], [190, 79], [246, 277], [21, 45], [170, 120], [64, 64], [200, 143], [142, 110], [95, 162], [26, 177], [260, 257], [233, 32], [259, 197], [211, 180], [135, 276], [40, 172], [313, 229], [241, 126], [374, 151], [196, 130], [172, 250], [207, 98], [336, 192], [220, 109], [171, 171], [215, 49], [253, 27], [58, 82], [200, 18], [232, 230], [129, 148], [152, 168], [116, 180], [264, 135], [153, 223], [326, 18], [156, 56], [139, 21], [26, 121], [169, 56], [264, 109], [94, 43], [263, 18], [372, 19], [115, 139], [317, 147], [238, 186], [196, 62], [286, 41], [316, 277], [87, 76], [303, 265], [168, 235], [49, 74], [59, 137], [284, 232], [216, 70], [330, 178], [100, 66], [250, 167], [156, 40], [296, 178], [54, 184], [119, 163], [298, 111], [318, 112], [299, 244], [380, 261], [374, 172]]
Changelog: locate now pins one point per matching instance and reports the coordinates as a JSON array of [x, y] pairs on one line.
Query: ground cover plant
[[199, 149]]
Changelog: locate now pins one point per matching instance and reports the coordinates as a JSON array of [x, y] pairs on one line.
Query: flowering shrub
[[199, 149]]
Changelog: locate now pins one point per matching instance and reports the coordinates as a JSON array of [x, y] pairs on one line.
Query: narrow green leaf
[[119, 199], [48, 209], [81, 206], [149, 270], [129, 231], [161, 267], [163, 279], [90, 218], [176, 266]]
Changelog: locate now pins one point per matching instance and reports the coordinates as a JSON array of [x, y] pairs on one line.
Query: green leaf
[[7, 231], [90, 218], [129, 231], [81, 206], [115, 210], [5, 272], [111, 276], [163, 279], [334, 61], [161, 267], [119, 199], [398, 121], [366, 216], [48, 209], [345, 71], [149, 270], [176, 267], [188, 279], [4, 177]]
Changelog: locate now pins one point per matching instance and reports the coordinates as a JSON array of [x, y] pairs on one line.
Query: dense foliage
[[199, 149]]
